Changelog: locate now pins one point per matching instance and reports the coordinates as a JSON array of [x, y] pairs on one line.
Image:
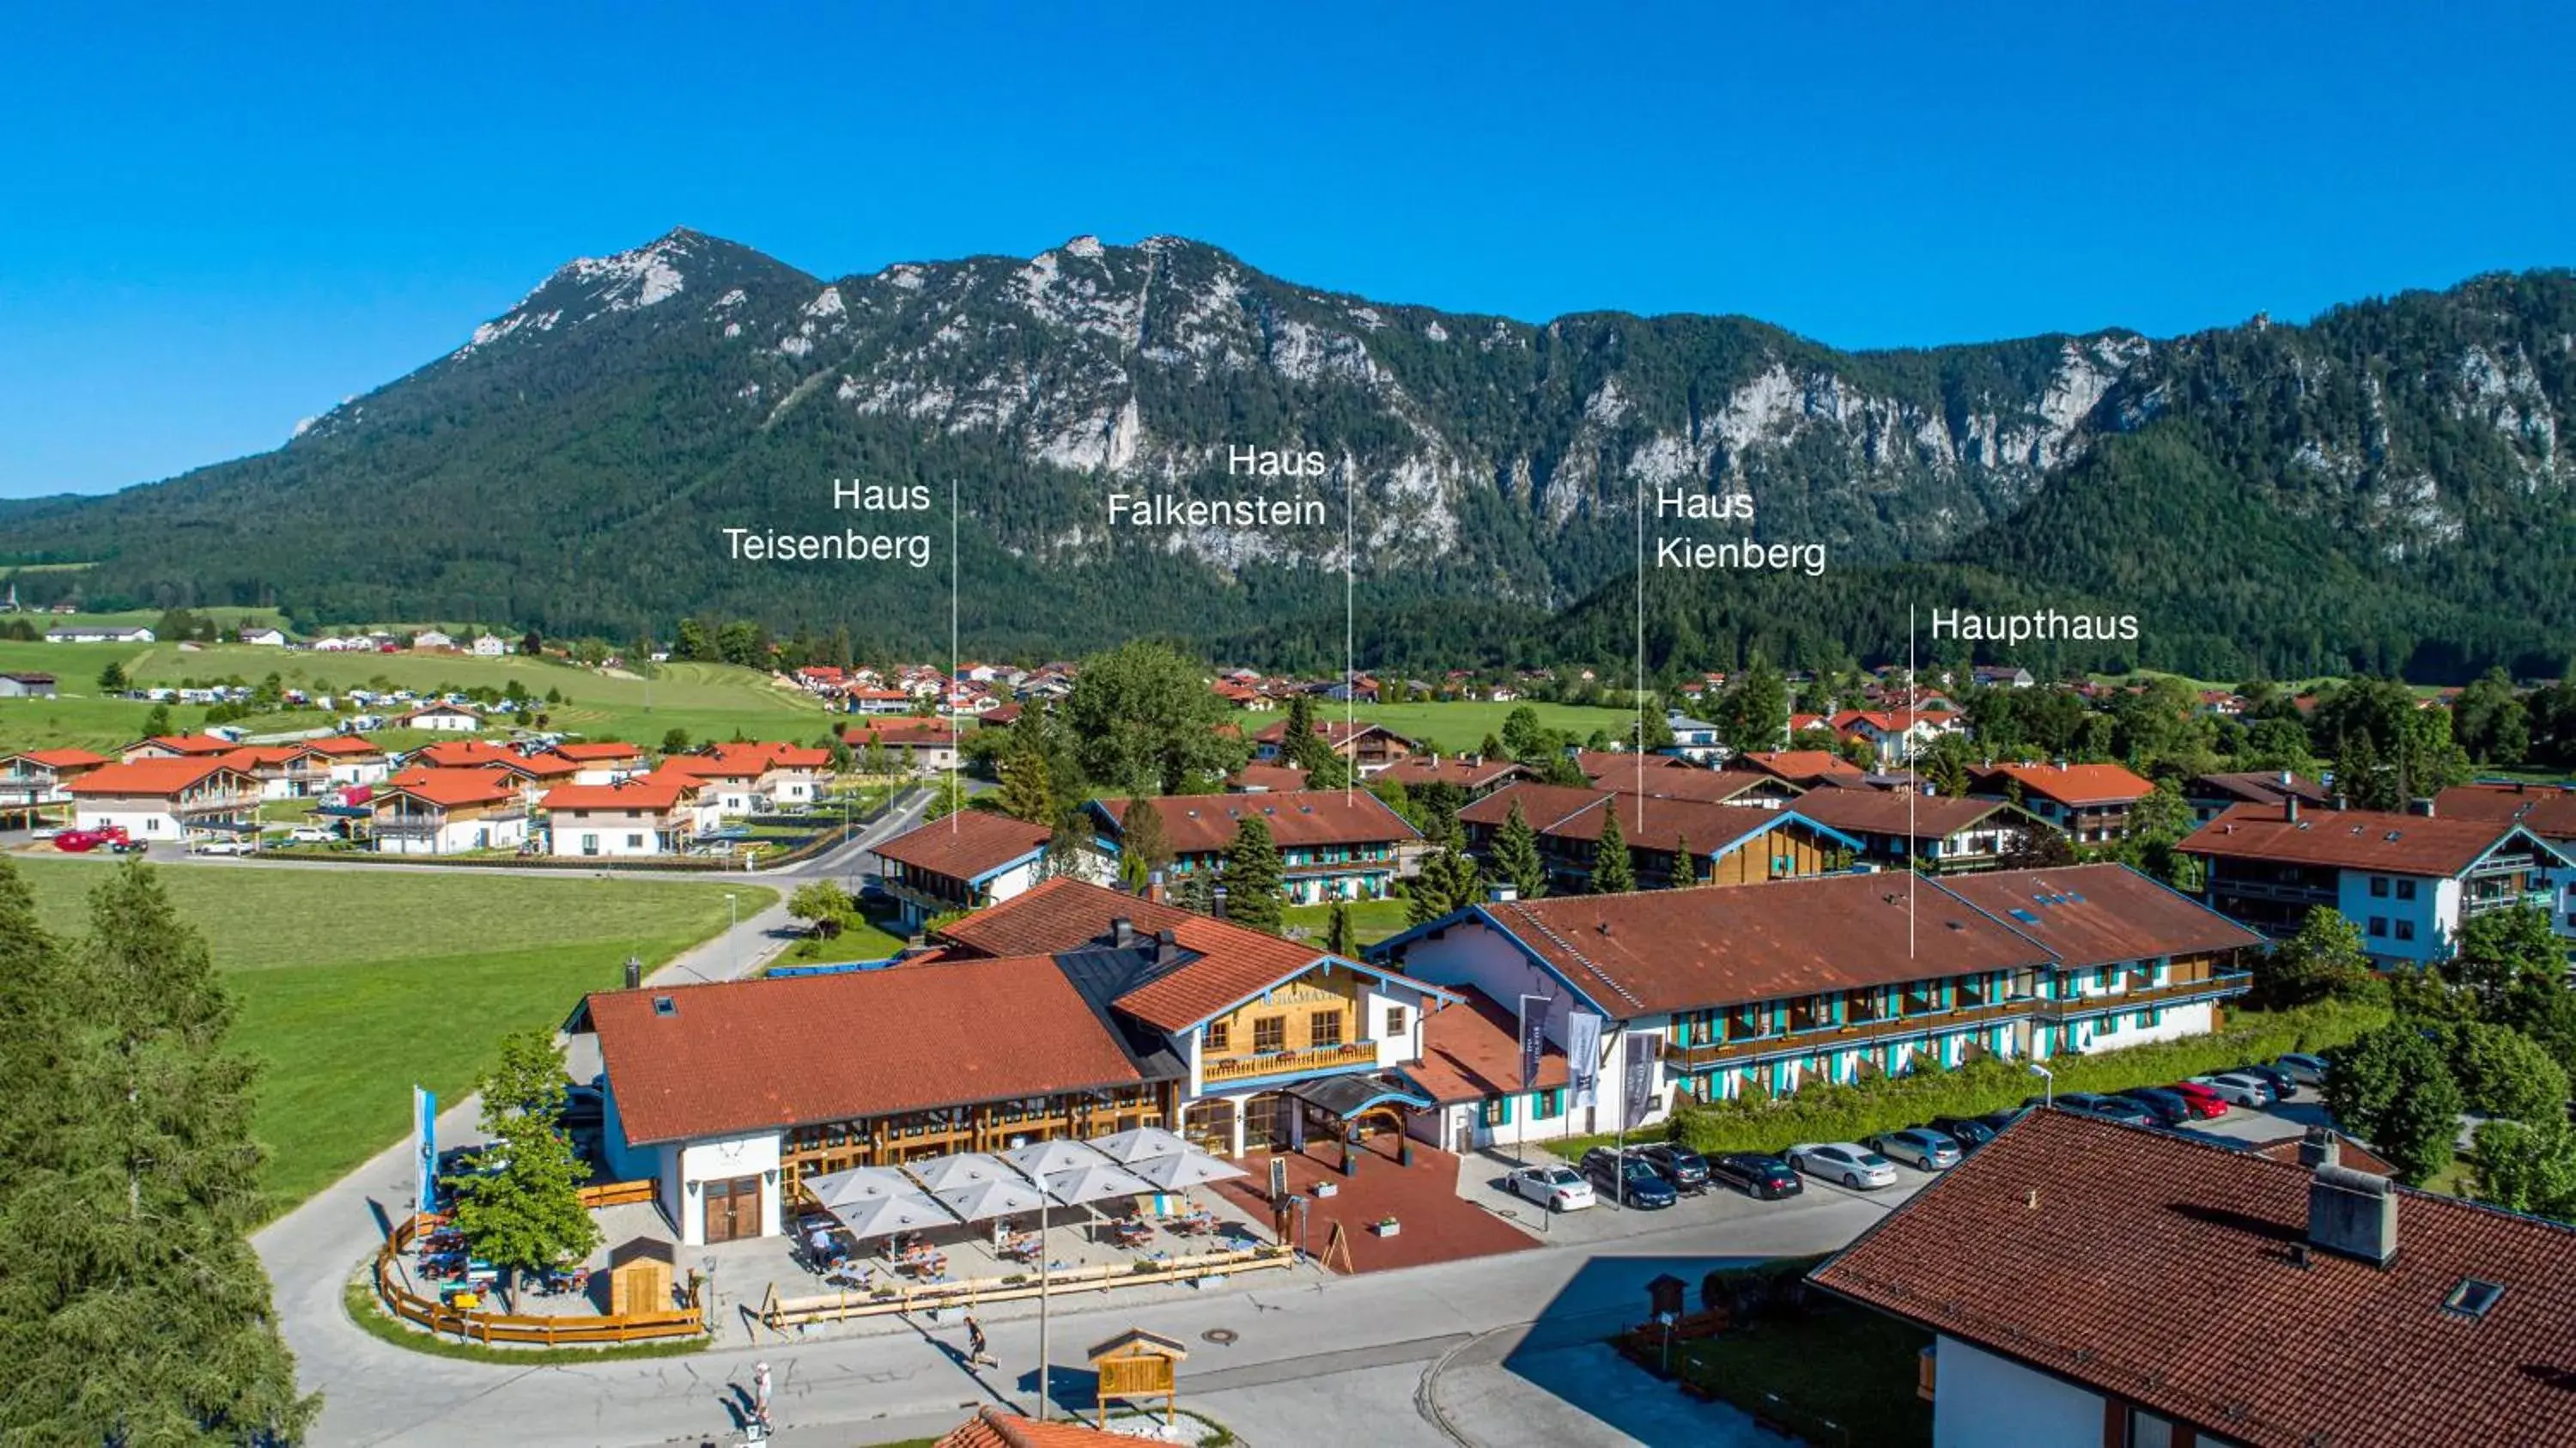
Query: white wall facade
[[717, 1159], [2432, 917], [1474, 955], [1984, 1401], [144, 819], [456, 837], [577, 834]]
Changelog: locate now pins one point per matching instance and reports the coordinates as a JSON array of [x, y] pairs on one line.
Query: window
[[2405, 889], [1270, 1033], [2148, 1019], [1498, 1111], [1395, 1020], [1548, 1103], [2378, 926], [1324, 1028], [2379, 887], [634, 842], [2405, 929], [2472, 1298], [1220, 1035]]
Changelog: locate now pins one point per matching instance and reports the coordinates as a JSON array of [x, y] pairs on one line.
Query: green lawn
[[354, 986], [1371, 920], [1845, 1366], [1458, 728]]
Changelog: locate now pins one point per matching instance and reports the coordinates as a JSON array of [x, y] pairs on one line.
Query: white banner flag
[[1583, 1055]]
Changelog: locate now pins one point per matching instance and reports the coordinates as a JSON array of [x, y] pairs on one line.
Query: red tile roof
[[2090, 915], [1798, 766], [603, 751], [466, 753], [893, 732], [1203, 823], [344, 746], [1456, 769], [2160, 1270], [1267, 779], [993, 1428], [2548, 810], [1055, 916], [1716, 786], [2359, 839], [1336, 732], [2259, 786], [191, 745], [64, 758], [453, 788], [1616, 764], [1671, 950], [1541, 804], [966, 845], [1472, 1050], [1897, 812], [2070, 784], [758, 1055], [153, 776], [1234, 963], [655, 793]]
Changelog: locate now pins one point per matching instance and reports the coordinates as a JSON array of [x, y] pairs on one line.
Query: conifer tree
[[1685, 866], [1516, 855], [1027, 792], [1339, 938], [1253, 874], [1613, 873], [132, 1309]]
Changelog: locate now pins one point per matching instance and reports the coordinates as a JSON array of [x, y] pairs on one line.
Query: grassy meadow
[[1458, 728], [353, 986]]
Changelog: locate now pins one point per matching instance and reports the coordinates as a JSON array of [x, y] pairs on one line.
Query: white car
[[1847, 1162], [2303, 1068], [1557, 1188], [2235, 1090], [309, 835], [221, 847], [45, 832]]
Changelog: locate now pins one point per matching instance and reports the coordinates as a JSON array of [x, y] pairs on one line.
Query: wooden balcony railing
[[2178, 992], [1284, 1063], [1836, 1038]]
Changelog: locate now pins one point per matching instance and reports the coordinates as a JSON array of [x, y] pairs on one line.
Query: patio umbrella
[[1144, 1143], [1042, 1159], [1000, 1197], [885, 1216], [1095, 1183], [963, 1169], [1189, 1169], [835, 1190]]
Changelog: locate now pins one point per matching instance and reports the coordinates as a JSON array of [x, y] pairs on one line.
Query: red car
[[81, 842], [2203, 1102]]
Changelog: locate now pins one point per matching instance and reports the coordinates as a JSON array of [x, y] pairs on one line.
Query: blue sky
[[213, 226]]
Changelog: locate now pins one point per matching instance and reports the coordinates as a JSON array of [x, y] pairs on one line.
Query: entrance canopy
[[1347, 1096]]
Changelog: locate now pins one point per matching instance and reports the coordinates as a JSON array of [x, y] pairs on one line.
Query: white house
[[490, 646], [91, 633], [265, 637], [441, 718], [966, 861], [448, 812], [432, 639], [653, 814], [168, 800]]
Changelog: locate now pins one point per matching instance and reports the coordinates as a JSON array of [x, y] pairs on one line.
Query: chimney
[[1216, 902], [1154, 887], [1167, 948], [2351, 1213], [2290, 809], [1122, 932], [1502, 892], [634, 973], [2318, 1147]]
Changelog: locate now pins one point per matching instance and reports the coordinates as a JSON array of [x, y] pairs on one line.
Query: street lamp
[[2048, 1083], [733, 923]]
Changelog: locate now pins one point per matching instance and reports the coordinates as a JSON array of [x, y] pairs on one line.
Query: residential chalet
[[1334, 844], [2089, 803], [447, 812], [966, 861], [167, 799]]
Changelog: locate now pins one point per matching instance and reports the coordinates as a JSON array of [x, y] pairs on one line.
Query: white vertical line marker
[[1913, 785], [1637, 741], [948, 696], [1350, 630]]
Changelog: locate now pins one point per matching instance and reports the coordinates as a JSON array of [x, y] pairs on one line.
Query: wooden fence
[[491, 1327], [619, 1194], [779, 1313]]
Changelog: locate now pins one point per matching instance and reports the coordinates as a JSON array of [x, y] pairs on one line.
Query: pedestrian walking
[[759, 1404], [976, 1355]]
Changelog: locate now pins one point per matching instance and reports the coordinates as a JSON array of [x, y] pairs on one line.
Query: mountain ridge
[[573, 459]]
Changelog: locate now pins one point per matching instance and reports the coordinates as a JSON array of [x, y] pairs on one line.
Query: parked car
[[2238, 1090], [2204, 1102], [1557, 1188], [2303, 1068], [1847, 1162], [1970, 1132], [2109, 1108], [2168, 1107], [309, 835], [2001, 1119], [1686, 1169], [222, 847], [2280, 1083], [46, 832], [1629, 1180], [1919, 1147], [1756, 1175], [121, 845]]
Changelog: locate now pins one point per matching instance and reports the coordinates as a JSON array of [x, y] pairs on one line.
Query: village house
[[490, 646], [37, 778], [2211, 795], [2001, 676], [1727, 844], [1903, 829], [1710, 786], [2408, 882], [1369, 747], [349, 760], [1693, 739], [1840, 978], [284, 771], [1805, 768], [919, 746], [96, 633], [167, 799], [966, 861], [2088, 803], [271, 638], [1070, 1011], [430, 640], [1472, 775], [2548, 811], [869, 699], [1265, 779], [2063, 1266], [1897, 736], [440, 718], [654, 814], [603, 761], [447, 812], [1333, 844], [26, 686]]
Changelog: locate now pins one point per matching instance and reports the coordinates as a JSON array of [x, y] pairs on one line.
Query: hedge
[[1831, 1112]]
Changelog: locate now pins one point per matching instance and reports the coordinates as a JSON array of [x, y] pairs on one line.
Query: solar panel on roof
[[2025, 917]]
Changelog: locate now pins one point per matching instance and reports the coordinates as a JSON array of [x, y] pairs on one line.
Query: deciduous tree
[[519, 1201], [2394, 1089]]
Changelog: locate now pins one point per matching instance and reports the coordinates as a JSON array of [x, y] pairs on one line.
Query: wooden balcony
[[2179, 992], [1838, 1038], [1358, 1055]]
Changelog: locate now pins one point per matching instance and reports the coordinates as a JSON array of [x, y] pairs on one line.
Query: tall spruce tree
[[1253, 874], [1339, 938], [1685, 864], [132, 1309], [1613, 873], [1516, 855], [1027, 789]]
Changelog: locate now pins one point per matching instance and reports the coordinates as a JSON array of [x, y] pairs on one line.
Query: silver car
[[2235, 1090], [1846, 1162], [1919, 1147], [2303, 1068], [1557, 1188]]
